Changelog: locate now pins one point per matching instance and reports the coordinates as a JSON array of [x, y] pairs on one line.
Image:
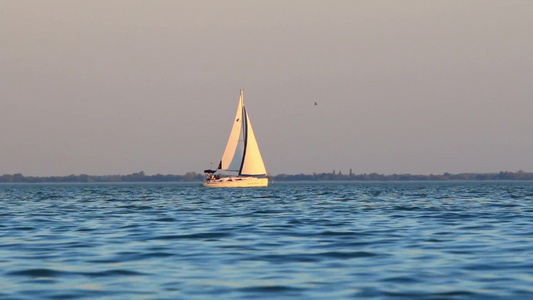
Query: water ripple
[[405, 240]]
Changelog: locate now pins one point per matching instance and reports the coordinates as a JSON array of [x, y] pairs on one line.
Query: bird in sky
[[316, 104]]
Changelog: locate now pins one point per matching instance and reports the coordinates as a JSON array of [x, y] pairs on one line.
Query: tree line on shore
[[520, 175], [333, 176], [135, 177]]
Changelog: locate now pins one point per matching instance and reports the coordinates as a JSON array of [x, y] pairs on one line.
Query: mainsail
[[242, 152]]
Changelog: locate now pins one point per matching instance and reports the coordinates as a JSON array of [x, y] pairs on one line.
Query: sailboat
[[241, 158]]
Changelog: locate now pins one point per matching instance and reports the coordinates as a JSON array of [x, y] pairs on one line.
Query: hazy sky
[[115, 87]]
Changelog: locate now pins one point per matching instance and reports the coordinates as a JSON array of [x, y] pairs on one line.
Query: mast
[[245, 134]]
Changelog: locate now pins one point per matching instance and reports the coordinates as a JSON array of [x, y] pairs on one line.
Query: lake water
[[405, 240]]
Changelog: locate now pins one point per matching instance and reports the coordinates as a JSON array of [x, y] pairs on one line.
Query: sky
[[412, 86]]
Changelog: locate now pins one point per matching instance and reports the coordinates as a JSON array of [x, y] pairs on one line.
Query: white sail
[[252, 163], [232, 157]]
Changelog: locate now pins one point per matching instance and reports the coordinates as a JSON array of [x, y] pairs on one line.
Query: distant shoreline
[[197, 177]]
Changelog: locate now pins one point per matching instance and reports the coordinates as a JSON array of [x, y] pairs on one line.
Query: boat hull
[[237, 182]]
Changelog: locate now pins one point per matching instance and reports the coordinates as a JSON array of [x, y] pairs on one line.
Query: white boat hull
[[237, 182]]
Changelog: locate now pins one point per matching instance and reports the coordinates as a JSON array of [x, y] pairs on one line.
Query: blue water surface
[[404, 240]]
